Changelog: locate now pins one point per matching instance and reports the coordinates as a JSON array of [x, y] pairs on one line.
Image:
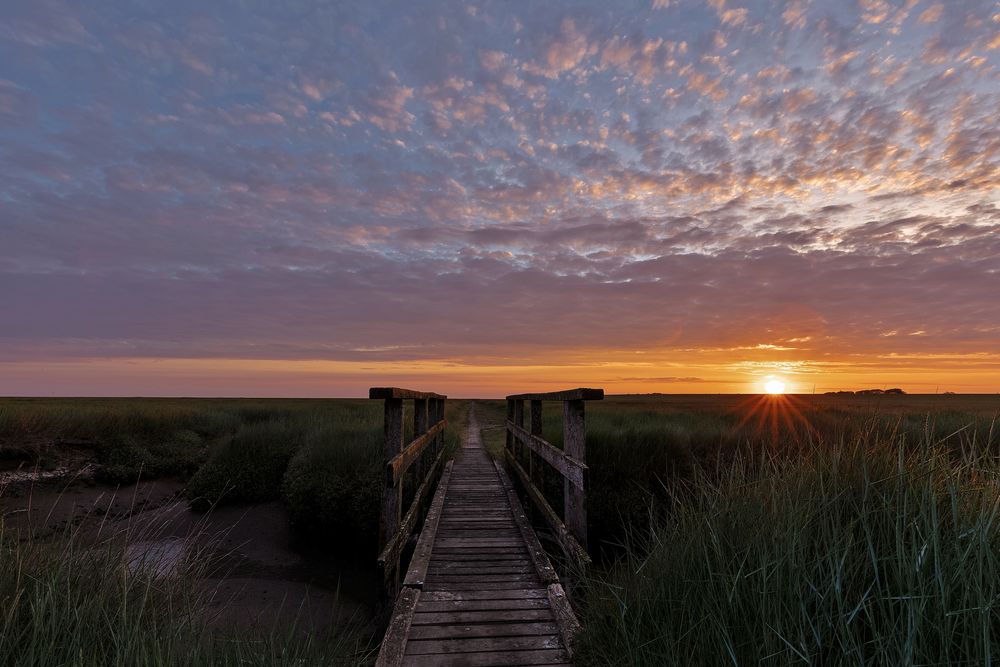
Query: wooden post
[[440, 417], [420, 424], [510, 417], [436, 414], [574, 445], [392, 495], [534, 467], [519, 420]]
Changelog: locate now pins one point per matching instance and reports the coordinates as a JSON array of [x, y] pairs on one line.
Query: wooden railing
[[395, 527], [570, 462]]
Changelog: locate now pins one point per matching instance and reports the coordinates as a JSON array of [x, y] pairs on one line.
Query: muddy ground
[[256, 573]]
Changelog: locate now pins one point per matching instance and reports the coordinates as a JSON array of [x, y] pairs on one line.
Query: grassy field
[[322, 459], [794, 530], [726, 529]]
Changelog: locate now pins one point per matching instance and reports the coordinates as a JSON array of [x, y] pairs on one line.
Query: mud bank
[[253, 570]]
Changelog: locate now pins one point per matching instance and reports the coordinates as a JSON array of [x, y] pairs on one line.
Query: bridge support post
[[574, 445], [535, 471], [421, 414], [519, 447], [510, 418], [392, 494]]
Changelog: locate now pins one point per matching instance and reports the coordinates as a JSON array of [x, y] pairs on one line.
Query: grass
[[868, 551], [639, 449], [831, 531], [53, 614], [322, 459], [837, 530]]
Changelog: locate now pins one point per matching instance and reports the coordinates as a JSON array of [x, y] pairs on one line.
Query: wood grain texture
[[575, 448], [391, 551], [394, 644], [484, 589], [421, 559], [579, 394], [573, 549], [570, 468], [397, 466], [397, 392]]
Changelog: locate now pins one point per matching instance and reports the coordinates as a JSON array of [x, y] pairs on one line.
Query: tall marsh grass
[[873, 549], [641, 451], [79, 602]]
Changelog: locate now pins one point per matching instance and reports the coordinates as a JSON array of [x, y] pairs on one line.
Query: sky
[[479, 198]]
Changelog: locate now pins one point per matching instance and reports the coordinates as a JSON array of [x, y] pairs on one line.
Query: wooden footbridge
[[480, 589]]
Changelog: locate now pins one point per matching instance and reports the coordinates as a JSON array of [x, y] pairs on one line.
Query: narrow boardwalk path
[[489, 596]]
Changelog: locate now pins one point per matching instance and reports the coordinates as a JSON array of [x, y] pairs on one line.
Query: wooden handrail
[[428, 431], [397, 392], [579, 394], [569, 467], [397, 466], [571, 463]]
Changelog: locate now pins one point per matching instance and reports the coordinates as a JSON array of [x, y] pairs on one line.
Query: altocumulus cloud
[[423, 180]]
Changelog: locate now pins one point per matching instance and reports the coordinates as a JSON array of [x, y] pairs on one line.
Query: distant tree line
[[869, 392]]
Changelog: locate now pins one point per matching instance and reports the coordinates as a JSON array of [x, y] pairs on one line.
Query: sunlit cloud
[[726, 190]]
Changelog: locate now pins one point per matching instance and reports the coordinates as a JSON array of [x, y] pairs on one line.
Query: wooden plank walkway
[[480, 590]]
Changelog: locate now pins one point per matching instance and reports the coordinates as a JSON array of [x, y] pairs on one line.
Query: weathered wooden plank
[[394, 644], [511, 594], [579, 394], [484, 630], [394, 547], [479, 542], [569, 544], [569, 467], [489, 659], [444, 646], [399, 393], [482, 599], [535, 472], [472, 533], [499, 554], [543, 567], [493, 567], [483, 605], [569, 626], [474, 579], [392, 497], [481, 586], [453, 552], [484, 567], [575, 444], [397, 466], [484, 616], [425, 543], [421, 421]]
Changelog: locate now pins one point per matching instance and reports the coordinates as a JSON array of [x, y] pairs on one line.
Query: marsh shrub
[[127, 459], [333, 484], [249, 467]]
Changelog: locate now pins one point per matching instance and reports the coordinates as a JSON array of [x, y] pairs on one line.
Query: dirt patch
[[250, 565]]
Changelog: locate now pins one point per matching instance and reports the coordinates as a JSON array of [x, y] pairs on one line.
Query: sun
[[774, 386]]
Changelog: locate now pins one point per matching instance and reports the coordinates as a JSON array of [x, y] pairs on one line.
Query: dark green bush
[[128, 459], [249, 467], [333, 485]]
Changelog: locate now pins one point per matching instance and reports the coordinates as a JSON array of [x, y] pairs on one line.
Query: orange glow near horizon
[[617, 372]]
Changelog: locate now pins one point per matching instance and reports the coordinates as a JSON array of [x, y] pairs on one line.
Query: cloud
[[347, 183]]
